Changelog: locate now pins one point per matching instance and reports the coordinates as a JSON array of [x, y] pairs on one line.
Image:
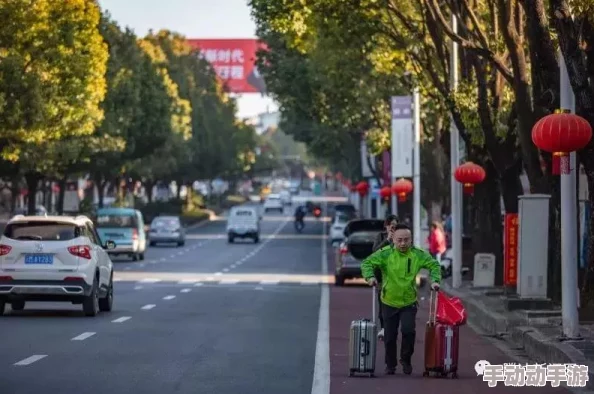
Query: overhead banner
[[234, 61], [402, 137]]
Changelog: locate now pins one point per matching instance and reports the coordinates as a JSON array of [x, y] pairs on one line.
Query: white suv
[[55, 258], [273, 202]]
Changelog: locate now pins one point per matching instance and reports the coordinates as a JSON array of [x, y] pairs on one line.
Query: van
[[243, 222], [125, 226]]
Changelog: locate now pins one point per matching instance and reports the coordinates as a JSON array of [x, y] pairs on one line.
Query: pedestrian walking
[[399, 265]]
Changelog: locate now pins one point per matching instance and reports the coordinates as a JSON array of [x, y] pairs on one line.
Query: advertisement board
[[510, 249], [234, 61]]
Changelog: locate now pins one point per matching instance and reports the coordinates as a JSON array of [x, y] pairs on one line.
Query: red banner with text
[[510, 249], [234, 61]]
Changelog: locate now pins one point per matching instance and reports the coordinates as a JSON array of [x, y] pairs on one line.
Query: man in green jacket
[[399, 264]]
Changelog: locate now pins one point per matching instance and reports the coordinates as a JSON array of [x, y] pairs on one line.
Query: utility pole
[[456, 188], [569, 226], [417, 167]]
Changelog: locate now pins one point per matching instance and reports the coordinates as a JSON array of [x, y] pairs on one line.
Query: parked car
[[243, 222], [348, 210], [55, 258], [273, 203], [126, 227], [359, 235], [167, 229], [286, 197], [337, 228]]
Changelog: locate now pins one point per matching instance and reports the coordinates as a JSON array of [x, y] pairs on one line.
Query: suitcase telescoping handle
[[433, 307], [373, 303]]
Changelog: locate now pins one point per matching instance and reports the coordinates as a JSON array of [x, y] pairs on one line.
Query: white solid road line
[[169, 297], [148, 307], [83, 336], [31, 360], [321, 375], [269, 282], [121, 319], [150, 280], [185, 290]]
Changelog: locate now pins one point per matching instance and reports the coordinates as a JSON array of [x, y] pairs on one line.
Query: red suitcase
[[441, 345]]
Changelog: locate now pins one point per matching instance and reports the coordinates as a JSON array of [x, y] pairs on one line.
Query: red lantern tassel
[[556, 165], [468, 188], [402, 197]]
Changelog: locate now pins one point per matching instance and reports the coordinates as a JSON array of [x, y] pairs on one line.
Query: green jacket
[[399, 271]]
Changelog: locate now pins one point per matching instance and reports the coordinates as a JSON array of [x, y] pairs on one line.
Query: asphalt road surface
[[208, 317]]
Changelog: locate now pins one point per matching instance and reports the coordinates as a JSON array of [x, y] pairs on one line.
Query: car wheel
[[152, 243], [256, 239], [91, 302], [106, 303], [141, 256], [182, 243], [134, 257], [17, 305], [230, 239], [339, 280], [2, 307]]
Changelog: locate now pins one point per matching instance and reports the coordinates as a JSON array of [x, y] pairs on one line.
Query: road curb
[[532, 341]]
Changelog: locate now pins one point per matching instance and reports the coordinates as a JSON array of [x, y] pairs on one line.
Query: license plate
[[39, 259]]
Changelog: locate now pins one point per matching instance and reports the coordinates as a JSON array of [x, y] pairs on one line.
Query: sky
[[193, 19]]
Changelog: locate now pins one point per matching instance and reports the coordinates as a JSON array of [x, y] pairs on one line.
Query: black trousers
[[393, 318]]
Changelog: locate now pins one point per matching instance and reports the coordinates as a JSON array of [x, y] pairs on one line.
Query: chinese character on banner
[[234, 61], [510, 244]]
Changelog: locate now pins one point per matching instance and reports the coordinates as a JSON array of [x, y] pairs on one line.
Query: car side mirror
[[109, 245]]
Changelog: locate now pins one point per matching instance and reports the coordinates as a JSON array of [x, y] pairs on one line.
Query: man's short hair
[[390, 219], [400, 226]]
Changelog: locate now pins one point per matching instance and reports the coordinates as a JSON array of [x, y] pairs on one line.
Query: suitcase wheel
[[426, 373], [372, 375], [454, 375]]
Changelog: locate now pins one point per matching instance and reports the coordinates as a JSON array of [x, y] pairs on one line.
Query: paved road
[[209, 317]]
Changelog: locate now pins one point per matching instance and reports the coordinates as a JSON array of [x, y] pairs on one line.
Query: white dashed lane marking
[[169, 297], [121, 319], [218, 274], [198, 284], [185, 290], [31, 360], [226, 270], [229, 282], [148, 307], [83, 336], [258, 288], [137, 287]]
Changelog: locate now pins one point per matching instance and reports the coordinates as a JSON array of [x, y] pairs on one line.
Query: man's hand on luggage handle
[[435, 286], [372, 282]]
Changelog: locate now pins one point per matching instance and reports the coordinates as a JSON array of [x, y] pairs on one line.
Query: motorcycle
[[299, 224]]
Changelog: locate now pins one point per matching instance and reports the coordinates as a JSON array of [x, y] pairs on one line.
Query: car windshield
[[342, 219], [165, 222], [122, 221], [41, 231]]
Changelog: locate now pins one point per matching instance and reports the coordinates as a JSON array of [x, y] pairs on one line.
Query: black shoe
[[406, 368], [390, 371]]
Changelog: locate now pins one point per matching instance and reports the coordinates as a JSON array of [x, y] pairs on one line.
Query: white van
[[243, 222]]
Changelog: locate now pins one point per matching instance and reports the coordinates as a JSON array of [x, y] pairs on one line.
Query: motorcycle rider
[[299, 215]]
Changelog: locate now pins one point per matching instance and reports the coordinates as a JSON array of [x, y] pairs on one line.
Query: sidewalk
[[354, 302], [535, 332]]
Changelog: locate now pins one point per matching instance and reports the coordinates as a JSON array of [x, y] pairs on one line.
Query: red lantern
[[402, 187], [385, 192], [559, 134], [362, 187], [469, 174]]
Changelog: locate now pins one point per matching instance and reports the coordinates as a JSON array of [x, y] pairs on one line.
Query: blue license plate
[[39, 259]]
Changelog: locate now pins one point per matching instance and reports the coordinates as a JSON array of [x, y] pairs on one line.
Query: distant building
[[264, 121]]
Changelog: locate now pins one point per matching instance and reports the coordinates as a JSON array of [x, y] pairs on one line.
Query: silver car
[[167, 229]]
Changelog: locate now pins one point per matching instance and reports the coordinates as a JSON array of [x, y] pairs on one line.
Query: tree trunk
[[32, 179], [487, 233], [14, 192], [62, 185], [148, 188]]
